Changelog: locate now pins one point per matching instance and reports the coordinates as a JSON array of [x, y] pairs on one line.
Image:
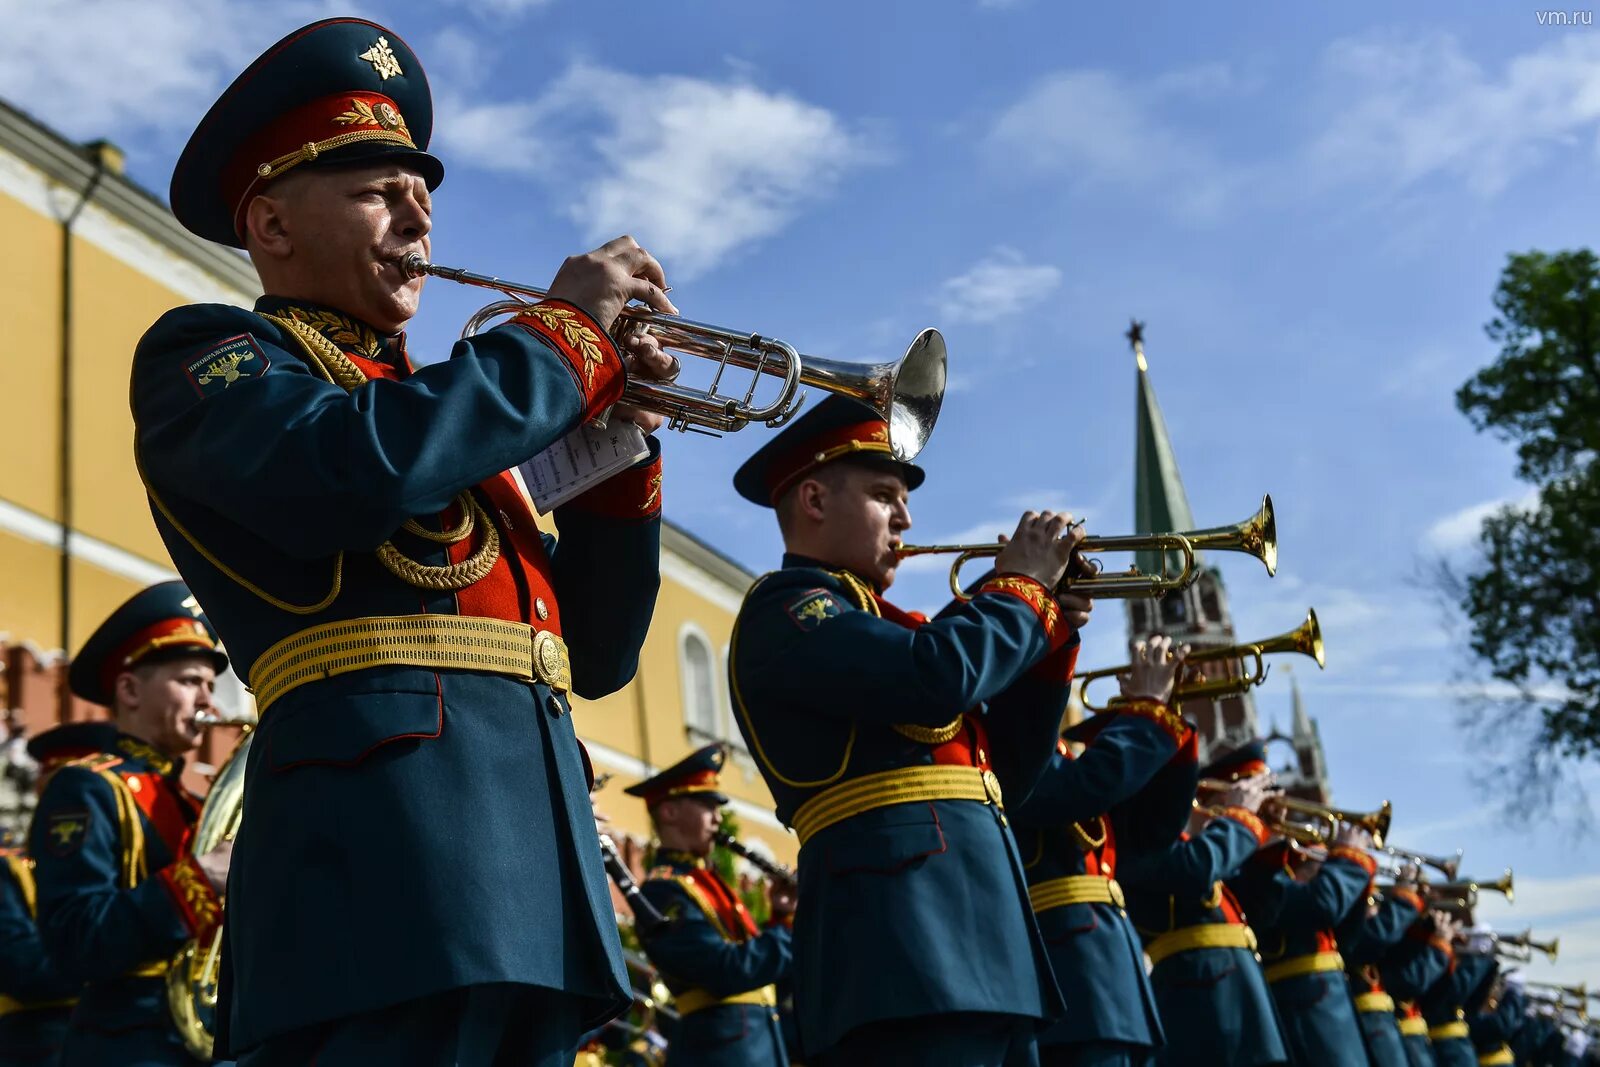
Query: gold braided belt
[[463, 642], [1413, 1026], [1295, 966], [11, 1005], [1375, 1002], [692, 1000], [1204, 935], [1075, 889], [1449, 1031], [1501, 1055], [903, 785]]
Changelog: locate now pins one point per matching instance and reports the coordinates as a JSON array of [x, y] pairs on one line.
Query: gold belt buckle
[[991, 787], [550, 662]]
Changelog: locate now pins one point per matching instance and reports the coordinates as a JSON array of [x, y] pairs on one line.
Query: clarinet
[[647, 919], [776, 871]]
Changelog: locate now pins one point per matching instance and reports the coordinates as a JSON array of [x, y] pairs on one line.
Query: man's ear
[[811, 496], [125, 691], [266, 228]]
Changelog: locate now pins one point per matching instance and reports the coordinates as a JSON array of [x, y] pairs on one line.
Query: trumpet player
[[118, 889], [722, 971], [1457, 995], [1367, 936], [1294, 902], [1209, 990], [1421, 958], [890, 744], [354, 525], [1071, 843]]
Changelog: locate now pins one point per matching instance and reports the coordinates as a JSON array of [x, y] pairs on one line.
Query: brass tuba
[[192, 978]]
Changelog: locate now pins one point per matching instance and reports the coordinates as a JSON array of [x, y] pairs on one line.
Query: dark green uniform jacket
[[1064, 830], [713, 946], [407, 830], [917, 908], [1213, 1002], [35, 996], [117, 895], [1295, 920]]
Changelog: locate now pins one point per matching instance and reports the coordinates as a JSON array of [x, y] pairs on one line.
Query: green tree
[[1532, 600]]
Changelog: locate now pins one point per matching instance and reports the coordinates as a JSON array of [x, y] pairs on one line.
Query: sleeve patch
[[813, 608], [66, 830], [224, 364]]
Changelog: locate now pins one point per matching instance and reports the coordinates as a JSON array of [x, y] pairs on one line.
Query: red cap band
[[870, 436], [168, 633], [300, 135]]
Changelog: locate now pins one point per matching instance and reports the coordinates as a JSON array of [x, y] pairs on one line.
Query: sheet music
[[581, 460]]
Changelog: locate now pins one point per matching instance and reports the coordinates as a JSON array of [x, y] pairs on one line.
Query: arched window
[[697, 671]]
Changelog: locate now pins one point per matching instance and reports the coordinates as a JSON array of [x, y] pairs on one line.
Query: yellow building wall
[[30, 278]]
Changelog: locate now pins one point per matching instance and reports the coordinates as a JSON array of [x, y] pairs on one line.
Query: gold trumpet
[[1525, 942], [1306, 639], [1374, 822], [1450, 868], [905, 393], [1257, 536], [1464, 894]]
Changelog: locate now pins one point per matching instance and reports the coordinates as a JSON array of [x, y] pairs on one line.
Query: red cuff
[[786, 921], [1166, 718], [1410, 896], [1057, 667], [1356, 856], [590, 353], [632, 494], [1189, 752], [1033, 593], [1250, 821], [191, 891]]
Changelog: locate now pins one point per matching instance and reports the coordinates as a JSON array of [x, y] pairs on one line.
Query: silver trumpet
[[906, 393]]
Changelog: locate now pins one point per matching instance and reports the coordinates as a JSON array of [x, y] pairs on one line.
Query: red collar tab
[[871, 436], [186, 632], [300, 135]]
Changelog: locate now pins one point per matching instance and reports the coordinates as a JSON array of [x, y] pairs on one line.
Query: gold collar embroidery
[[347, 333]]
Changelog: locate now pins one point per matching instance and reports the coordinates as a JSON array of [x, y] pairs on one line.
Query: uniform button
[[553, 702], [540, 608], [135, 785]]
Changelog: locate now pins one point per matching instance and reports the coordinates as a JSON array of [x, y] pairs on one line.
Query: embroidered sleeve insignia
[[65, 831], [231, 361], [813, 608]]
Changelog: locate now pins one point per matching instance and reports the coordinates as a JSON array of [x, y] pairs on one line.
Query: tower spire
[[1159, 502]]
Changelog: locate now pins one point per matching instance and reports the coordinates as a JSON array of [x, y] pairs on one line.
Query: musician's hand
[[1445, 925], [644, 359], [214, 865], [1075, 609], [781, 898], [1041, 548], [1248, 793], [1155, 669], [1357, 837], [1409, 874], [602, 282]]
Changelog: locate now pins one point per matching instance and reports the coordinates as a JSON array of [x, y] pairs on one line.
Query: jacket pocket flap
[[340, 729], [887, 843]]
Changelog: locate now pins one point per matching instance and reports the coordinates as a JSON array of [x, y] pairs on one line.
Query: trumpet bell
[[907, 393], [1257, 536]]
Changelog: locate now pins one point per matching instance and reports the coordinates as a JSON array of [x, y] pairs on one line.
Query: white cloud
[[500, 8], [98, 68], [1459, 529], [1405, 110], [1094, 127], [696, 169], [1002, 284]]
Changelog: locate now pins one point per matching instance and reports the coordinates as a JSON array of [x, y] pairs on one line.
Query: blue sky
[[1308, 204]]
